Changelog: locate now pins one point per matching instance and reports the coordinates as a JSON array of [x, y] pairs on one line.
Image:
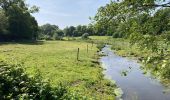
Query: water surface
[[130, 78]]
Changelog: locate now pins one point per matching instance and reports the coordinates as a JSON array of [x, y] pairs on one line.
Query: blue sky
[[66, 12]]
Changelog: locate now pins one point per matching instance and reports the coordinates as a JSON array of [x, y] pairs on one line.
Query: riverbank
[[131, 79], [152, 62]]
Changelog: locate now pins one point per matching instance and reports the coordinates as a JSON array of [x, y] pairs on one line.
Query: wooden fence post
[[87, 48], [92, 44], [78, 54]]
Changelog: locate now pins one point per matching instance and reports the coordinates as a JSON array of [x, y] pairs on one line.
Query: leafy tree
[[58, 35], [144, 22], [66, 31], [81, 30], [161, 21], [90, 30], [78, 31], [3, 24], [22, 25], [49, 32], [48, 29], [69, 31]]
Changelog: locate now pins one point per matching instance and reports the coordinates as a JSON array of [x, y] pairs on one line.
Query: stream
[[130, 78]]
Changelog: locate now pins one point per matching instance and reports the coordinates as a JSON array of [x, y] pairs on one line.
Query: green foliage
[[118, 17], [46, 37], [22, 25], [3, 24], [166, 36], [69, 31], [85, 36], [58, 35], [117, 35], [145, 27], [15, 84], [48, 29], [50, 32], [156, 62], [101, 45], [78, 31]]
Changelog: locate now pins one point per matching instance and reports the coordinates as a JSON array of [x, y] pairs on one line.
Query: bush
[[47, 37], [85, 36], [56, 37], [15, 84], [101, 45], [117, 35], [166, 35]]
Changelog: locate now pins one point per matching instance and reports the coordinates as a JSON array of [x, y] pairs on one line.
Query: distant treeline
[[17, 23], [50, 32]]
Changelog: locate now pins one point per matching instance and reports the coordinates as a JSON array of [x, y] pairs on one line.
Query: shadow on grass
[[23, 42]]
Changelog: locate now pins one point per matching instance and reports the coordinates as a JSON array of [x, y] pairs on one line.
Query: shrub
[[101, 45], [117, 35], [15, 84], [166, 35], [56, 37], [85, 36], [47, 37]]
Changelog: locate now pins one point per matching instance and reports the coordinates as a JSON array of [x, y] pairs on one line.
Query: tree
[[78, 30], [90, 29], [22, 25], [48, 31], [3, 24], [58, 35], [69, 31], [145, 4], [145, 23]]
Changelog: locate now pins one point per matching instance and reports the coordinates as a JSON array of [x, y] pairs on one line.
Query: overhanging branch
[[157, 5]]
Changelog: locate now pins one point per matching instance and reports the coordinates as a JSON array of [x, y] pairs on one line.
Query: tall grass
[[57, 63]]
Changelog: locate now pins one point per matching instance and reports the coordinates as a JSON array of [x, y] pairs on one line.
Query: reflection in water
[[130, 78]]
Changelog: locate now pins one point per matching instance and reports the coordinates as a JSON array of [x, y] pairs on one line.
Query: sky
[[66, 12]]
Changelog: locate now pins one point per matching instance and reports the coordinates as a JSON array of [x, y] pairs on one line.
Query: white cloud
[[66, 12], [52, 13]]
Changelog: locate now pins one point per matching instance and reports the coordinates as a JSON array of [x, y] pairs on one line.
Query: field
[[57, 63]]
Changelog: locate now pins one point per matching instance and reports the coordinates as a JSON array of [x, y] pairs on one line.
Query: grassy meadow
[[56, 61]]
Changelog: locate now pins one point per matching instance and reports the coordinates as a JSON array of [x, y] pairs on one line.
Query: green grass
[[123, 48], [100, 37], [56, 61]]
